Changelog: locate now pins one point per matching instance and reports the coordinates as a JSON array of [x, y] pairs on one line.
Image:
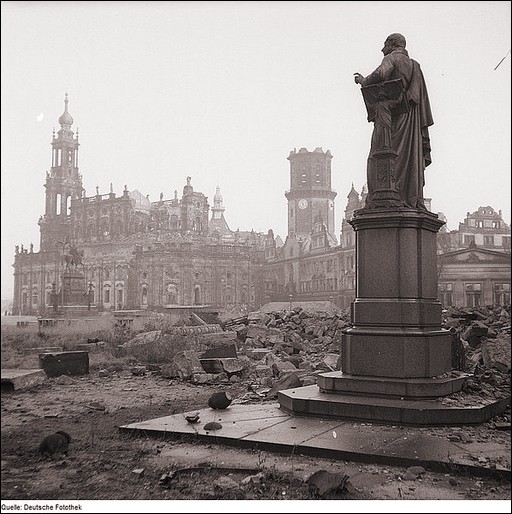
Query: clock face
[[303, 204]]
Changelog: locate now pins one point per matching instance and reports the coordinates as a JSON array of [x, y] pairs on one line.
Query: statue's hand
[[358, 78]]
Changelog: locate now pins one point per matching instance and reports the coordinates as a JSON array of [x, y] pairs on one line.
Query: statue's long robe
[[409, 131]]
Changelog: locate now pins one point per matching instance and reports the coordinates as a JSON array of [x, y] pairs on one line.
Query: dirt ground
[[105, 464]]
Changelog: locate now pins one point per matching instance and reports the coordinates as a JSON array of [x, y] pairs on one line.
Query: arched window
[[106, 294], [58, 200], [171, 294]]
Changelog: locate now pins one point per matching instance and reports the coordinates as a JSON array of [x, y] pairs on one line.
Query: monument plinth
[[396, 316], [74, 287], [396, 346]]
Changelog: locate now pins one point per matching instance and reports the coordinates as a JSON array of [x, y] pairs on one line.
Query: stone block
[[219, 352], [16, 379], [64, 363]]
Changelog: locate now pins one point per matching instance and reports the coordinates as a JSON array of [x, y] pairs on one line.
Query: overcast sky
[[222, 91]]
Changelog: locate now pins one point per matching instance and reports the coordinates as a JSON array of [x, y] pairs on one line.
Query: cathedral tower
[[63, 182]]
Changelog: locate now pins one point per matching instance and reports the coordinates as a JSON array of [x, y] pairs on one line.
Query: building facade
[[130, 252], [127, 252]]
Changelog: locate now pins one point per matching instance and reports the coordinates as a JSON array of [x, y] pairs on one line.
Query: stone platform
[[267, 427], [15, 379], [311, 401]]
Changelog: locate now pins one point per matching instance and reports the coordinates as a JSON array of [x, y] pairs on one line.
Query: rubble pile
[[287, 348], [484, 334], [274, 350], [268, 351]]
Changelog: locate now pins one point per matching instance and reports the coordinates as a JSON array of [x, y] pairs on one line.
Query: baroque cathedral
[[110, 252]]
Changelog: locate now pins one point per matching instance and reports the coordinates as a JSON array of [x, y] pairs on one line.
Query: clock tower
[[310, 196]]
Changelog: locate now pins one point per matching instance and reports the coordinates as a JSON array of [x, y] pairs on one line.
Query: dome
[[66, 118]]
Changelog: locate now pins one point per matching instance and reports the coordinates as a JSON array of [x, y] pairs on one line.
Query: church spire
[[66, 120]]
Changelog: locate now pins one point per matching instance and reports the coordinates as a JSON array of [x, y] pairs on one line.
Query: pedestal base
[[406, 353], [310, 401], [393, 388]]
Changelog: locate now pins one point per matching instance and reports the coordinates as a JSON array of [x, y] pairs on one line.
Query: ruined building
[[108, 252]]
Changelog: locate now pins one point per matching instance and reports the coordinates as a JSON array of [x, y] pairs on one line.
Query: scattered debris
[[212, 425], [192, 418], [322, 483], [220, 400], [96, 406], [138, 370], [413, 472], [225, 484], [54, 444]]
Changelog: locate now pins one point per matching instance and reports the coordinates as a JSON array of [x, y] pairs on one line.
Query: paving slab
[[270, 428], [15, 379]]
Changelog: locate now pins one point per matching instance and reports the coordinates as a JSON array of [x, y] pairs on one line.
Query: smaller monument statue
[[74, 258]]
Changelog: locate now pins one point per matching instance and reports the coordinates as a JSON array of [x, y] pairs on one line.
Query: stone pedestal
[[395, 357], [74, 289], [396, 316]]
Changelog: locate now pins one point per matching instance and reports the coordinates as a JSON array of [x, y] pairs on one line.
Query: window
[[501, 294], [489, 240], [473, 295], [303, 178], [480, 224], [495, 224], [172, 293], [445, 294], [468, 239], [106, 295]]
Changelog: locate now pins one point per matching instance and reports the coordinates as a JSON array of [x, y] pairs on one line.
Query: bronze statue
[[397, 102]]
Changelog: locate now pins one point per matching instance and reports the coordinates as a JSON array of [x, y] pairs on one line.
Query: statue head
[[393, 41]]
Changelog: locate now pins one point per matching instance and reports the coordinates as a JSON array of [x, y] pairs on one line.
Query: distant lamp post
[[291, 298]]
